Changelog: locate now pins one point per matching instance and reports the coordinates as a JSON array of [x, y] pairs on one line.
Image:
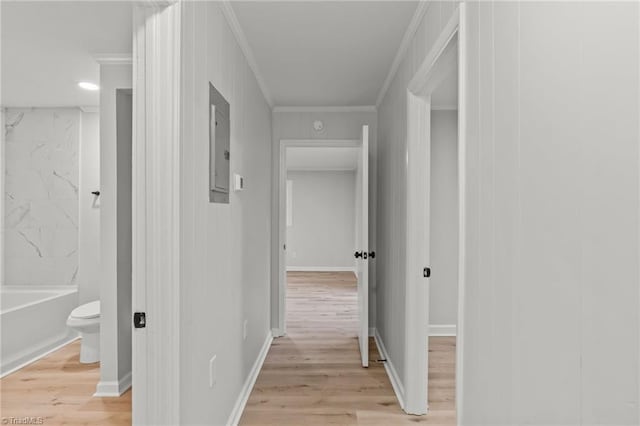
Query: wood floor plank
[[60, 389], [313, 376]]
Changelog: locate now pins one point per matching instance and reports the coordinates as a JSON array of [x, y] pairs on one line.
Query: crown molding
[[236, 29], [357, 108], [113, 58], [421, 9]]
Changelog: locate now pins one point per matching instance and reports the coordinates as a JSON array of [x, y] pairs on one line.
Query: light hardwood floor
[[60, 390], [312, 376]]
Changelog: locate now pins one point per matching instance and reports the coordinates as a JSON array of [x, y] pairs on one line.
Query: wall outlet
[[244, 329], [213, 372]]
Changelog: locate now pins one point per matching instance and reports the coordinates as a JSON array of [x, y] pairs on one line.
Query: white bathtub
[[33, 322]]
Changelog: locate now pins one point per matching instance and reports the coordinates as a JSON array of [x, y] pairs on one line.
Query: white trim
[[638, 379], [47, 351], [113, 389], [462, 188], [241, 402], [279, 296], [442, 330], [320, 269], [437, 65], [355, 108], [421, 9], [238, 33], [276, 332], [394, 378], [372, 332], [417, 249], [113, 58]]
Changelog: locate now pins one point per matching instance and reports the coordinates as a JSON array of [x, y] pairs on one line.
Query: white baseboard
[[114, 388], [442, 330], [238, 408], [396, 383], [276, 332], [320, 269], [32, 357]]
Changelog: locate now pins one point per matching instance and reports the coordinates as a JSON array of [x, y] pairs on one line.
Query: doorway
[[436, 205], [287, 216]]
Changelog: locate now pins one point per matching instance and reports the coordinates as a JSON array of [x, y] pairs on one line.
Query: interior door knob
[[358, 254]]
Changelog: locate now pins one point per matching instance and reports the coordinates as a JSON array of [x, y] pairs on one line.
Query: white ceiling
[[48, 46], [321, 158], [324, 53]]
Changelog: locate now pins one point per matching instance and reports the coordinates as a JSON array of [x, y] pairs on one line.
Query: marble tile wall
[[41, 195]]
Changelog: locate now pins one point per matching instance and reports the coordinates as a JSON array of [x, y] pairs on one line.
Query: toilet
[[85, 319]]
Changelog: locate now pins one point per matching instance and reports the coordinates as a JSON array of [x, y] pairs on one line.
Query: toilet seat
[[87, 311]]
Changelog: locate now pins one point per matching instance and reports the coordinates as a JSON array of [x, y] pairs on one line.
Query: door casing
[[279, 300], [437, 65]]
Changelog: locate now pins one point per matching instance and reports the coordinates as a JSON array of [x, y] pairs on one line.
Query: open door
[[362, 246]]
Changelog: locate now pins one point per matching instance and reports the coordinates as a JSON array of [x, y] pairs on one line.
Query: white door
[[362, 246]]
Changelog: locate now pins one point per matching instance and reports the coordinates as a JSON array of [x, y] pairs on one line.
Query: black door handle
[[372, 254], [358, 254]]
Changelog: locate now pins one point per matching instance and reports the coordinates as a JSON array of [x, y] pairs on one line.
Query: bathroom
[[65, 271]]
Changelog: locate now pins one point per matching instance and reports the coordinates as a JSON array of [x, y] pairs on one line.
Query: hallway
[[313, 374]]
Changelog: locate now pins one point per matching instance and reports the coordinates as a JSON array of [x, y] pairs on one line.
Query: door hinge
[[426, 272], [139, 319]]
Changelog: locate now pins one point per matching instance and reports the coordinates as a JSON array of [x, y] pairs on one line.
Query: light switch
[[238, 182]]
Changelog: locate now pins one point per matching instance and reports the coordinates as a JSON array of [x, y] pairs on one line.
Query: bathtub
[[33, 323]]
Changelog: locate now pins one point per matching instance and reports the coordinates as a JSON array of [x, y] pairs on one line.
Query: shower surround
[[41, 196]]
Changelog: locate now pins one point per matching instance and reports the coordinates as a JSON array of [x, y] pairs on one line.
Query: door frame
[[436, 66], [156, 207], [279, 302]]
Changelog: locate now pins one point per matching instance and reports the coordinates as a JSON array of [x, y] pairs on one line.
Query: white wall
[[392, 175], [89, 209], [552, 294], [225, 249], [41, 196], [322, 234], [552, 299], [337, 125], [443, 284], [115, 229]]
